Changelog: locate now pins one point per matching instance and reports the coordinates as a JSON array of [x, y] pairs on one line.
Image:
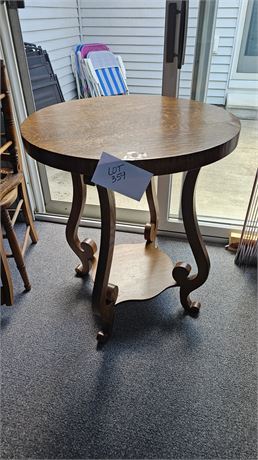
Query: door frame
[[167, 225], [245, 9], [30, 168]]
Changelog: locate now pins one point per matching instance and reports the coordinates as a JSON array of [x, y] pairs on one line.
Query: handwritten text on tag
[[121, 176]]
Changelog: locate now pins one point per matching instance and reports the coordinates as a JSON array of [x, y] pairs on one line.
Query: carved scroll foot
[[150, 231], [86, 249], [89, 248], [181, 271]]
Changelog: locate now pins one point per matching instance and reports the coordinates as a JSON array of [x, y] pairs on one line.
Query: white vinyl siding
[[225, 32], [134, 29], [53, 25]]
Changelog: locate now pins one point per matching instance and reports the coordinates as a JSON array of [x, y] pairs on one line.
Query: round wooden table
[[160, 134]]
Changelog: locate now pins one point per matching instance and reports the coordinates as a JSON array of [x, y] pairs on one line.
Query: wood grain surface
[[143, 130], [147, 271]]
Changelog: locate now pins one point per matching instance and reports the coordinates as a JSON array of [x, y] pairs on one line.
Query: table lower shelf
[[141, 271]]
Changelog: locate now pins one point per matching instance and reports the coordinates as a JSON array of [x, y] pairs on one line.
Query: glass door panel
[[137, 35], [223, 188], [59, 192], [248, 61], [135, 32]]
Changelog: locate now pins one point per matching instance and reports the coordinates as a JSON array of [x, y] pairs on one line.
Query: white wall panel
[[133, 40], [146, 4], [62, 45], [135, 30], [64, 62], [123, 22], [51, 3], [47, 13], [123, 31], [135, 12], [30, 25], [53, 25], [49, 35]]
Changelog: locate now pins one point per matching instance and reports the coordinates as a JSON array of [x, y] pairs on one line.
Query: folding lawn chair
[[105, 73], [97, 71], [80, 52]]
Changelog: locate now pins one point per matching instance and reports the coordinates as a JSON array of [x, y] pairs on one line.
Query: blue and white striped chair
[[105, 74]]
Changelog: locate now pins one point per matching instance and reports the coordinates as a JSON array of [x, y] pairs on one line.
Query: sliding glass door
[[220, 39], [223, 188], [135, 31]]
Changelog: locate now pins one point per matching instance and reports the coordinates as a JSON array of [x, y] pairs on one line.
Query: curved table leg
[[150, 231], [104, 295], [84, 250], [182, 270]]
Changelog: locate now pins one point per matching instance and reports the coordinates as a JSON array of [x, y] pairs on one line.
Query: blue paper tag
[[121, 176]]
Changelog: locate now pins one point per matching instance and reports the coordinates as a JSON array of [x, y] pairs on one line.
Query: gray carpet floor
[[165, 386]]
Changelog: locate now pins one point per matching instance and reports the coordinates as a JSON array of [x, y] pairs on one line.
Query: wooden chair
[[12, 192]]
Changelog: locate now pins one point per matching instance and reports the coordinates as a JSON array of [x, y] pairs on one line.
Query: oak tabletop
[[158, 133]]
